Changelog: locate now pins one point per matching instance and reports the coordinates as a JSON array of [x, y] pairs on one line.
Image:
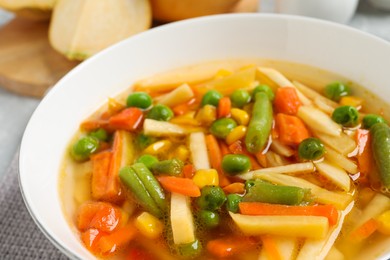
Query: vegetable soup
[[236, 159]]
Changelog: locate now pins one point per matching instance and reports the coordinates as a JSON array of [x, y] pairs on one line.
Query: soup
[[230, 160]]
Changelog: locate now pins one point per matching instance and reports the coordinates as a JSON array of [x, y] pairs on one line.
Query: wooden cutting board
[[28, 64]]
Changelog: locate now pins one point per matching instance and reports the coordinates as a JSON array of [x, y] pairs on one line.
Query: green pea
[[139, 99], [209, 218], [144, 141], [232, 201], [211, 198], [222, 127], [234, 164], [263, 88], [311, 149], [148, 160], [240, 98], [84, 147], [160, 112], [99, 134], [347, 116], [336, 90], [372, 119], [211, 97], [190, 250]]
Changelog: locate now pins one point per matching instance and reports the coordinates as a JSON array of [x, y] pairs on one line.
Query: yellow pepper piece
[[206, 177], [181, 152], [222, 73], [207, 115], [384, 222], [236, 134], [158, 147], [351, 101], [240, 116], [149, 225]]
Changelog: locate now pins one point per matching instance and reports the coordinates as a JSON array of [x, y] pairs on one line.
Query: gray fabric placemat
[[20, 238]]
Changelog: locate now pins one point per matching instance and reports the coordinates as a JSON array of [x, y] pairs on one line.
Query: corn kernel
[[222, 73], [384, 222], [184, 120], [181, 153], [351, 101], [236, 134], [206, 177], [149, 225], [158, 147], [240, 116], [207, 115]]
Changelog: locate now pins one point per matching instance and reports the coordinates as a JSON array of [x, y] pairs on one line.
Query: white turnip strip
[[342, 143], [340, 160], [287, 169], [335, 174], [312, 94], [159, 128], [177, 96], [182, 222], [318, 120], [281, 149], [198, 150], [319, 102]]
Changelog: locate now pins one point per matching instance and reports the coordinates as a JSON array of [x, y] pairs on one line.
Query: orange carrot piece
[[287, 101], [229, 246], [179, 185], [94, 124], [117, 239], [215, 155], [364, 156], [128, 119], [236, 147], [224, 148], [266, 209], [90, 238], [270, 248], [100, 167], [99, 215], [292, 131], [183, 108], [236, 187], [262, 159], [364, 231], [224, 107], [188, 171]]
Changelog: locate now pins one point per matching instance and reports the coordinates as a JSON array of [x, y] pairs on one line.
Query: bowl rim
[[169, 26]]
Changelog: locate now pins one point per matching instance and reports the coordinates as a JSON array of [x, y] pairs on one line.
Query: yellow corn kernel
[[384, 222], [236, 134], [158, 147], [149, 225], [206, 177], [207, 115], [181, 153], [240, 116], [222, 73], [351, 101], [184, 120]]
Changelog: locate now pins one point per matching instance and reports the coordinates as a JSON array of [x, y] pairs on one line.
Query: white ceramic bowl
[[351, 53]]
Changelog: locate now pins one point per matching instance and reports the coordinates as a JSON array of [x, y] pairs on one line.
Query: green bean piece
[[139, 99], [336, 90], [380, 134], [261, 191], [211, 97], [84, 147], [371, 119], [311, 149], [148, 160], [347, 116], [211, 198], [240, 98], [209, 218], [260, 124], [131, 180], [232, 201], [190, 250], [222, 127], [263, 88], [151, 184], [160, 112], [99, 134], [234, 164], [144, 141], [171, 167]]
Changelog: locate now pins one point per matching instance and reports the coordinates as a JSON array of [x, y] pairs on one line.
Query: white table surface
[[16, 110]]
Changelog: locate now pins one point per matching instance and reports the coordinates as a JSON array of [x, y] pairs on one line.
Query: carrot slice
[[100, 167], [365, 156], [179, 185], [266, 209], [229, 246], [188, 171], [292, 131], [364, 231], [94, 124], [117, 239], [287, 101], [224, 107], [236, 187], [215, 155], [100, 215], [90, 238], [128, 119], [270, 248]]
